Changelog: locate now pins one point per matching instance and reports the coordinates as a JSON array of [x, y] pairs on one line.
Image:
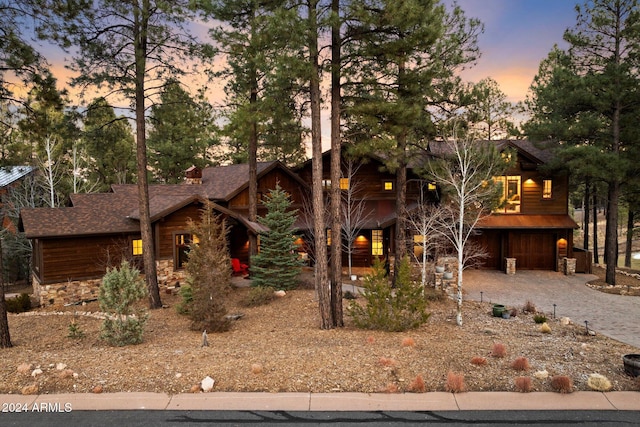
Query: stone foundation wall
[[77, 291], [569, 266]]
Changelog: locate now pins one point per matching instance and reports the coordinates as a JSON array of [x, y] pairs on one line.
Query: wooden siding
[[80, 258], [369, 180], [531, 192], [267, 183], [176, 222]]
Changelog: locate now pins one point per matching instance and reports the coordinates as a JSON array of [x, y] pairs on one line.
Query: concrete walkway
[[615, 316], [433, 401]]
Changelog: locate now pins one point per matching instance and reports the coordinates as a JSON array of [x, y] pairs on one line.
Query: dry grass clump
[[529, 307], [455, 382], [545, 328], [561, 384], [417, 385], [391, 388], [498, 350], [520, 364], [478, 361], [599, 382], [523, 384], [408, 342], [387, 362]]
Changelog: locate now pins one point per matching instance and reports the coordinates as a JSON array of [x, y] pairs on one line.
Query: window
[[376, 243], [387, 185], [511, 197], [136, 245], [418, 245], [328, 237], [547, 185], [431, 186], [326, 184], [344, 183], [181, 250]]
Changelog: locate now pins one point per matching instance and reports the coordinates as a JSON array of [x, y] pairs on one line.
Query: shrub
[[529, 307], [545, 328], [387, 362], [209, 273], [417, 385], [387, 309], [258, 295], [455, 382], [184, 306], [478, 361], [520, 364], [539, 318], [434, 295], [498, 350], [523, 384], [391, 388], [561, 384], [75, 332], [121, 289], [408, 342], [599, 382], [19, 304]]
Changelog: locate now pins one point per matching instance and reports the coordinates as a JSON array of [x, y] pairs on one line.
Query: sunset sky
[[518, 35]]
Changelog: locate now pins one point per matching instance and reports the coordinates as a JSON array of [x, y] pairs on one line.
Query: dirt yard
[[280, 348]]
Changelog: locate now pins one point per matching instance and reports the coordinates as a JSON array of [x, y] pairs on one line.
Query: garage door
[[533, 251]]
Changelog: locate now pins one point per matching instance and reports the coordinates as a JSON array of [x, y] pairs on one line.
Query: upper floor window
[[547, 185], [387, 185], [511, 193], [344, 183]]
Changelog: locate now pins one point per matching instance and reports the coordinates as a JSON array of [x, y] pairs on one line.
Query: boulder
[[25, 368], [30, 389], [36, 372], [207, 384]]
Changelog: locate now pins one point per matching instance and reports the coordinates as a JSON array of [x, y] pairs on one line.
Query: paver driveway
[[615, 316]]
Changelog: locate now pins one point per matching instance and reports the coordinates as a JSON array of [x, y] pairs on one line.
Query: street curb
[[432, 401]]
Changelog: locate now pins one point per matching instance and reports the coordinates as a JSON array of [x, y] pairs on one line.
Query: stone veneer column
[[510, 265], [569, 266]]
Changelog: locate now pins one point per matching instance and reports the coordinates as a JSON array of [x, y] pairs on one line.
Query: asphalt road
[[312, 418]]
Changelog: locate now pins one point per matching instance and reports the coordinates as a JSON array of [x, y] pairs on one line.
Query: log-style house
[[73, 246]]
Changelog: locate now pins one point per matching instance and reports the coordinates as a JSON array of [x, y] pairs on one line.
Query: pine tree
[[209, 273], [277, 264], [179, 136]]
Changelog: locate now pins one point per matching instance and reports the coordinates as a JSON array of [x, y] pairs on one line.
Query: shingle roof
[[118, 211], [527, 221], [540, 153], [104, 213]]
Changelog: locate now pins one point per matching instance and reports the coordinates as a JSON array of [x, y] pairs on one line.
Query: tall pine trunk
[[596, 255], [5, 336], [629, 243], [253, 155], [587, 213], [322, 284], [401, 180], [336, 147], [148, 247]]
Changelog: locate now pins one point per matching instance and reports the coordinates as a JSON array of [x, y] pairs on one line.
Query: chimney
[[193, 175]]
